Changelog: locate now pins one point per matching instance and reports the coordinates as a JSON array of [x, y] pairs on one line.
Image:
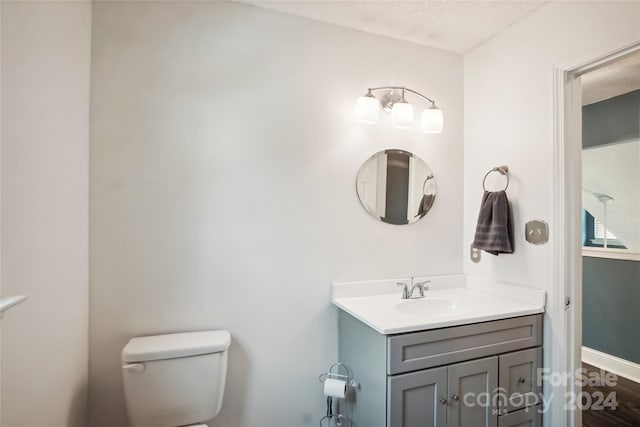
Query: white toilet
[[176, 379]]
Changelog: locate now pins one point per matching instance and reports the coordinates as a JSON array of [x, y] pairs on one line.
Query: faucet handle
[[405, 291], [422, 286]]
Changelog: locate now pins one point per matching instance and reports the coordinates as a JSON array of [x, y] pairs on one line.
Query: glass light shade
[[402, 115], [432, 120], [367, 109]]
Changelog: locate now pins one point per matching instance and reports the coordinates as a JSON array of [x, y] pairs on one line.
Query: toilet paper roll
[[335, 388]]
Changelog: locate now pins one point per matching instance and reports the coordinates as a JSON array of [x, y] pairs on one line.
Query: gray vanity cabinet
[[418, 399], [518, 378], [447, 377], [432, 397], [475, 378], [529, 417]]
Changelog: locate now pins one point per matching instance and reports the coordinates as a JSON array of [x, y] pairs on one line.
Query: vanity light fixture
[[402, 113], [367, 109]]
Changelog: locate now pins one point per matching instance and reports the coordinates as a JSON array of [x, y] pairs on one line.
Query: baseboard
[[615, 365]]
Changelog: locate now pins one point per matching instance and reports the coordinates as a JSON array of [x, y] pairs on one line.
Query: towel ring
[[503, 170]]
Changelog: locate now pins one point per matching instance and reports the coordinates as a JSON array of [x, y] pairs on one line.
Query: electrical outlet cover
[[536, 232]]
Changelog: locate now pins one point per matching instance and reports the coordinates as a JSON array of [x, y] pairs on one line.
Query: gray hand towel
[[425, 205], [494, 232]]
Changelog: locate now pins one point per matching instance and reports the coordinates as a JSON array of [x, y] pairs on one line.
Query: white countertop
[[450, 301]]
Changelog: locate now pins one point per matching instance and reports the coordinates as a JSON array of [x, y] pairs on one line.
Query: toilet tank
[[175, 379]]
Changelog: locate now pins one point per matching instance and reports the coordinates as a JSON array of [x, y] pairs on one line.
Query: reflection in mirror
[[396, 187], [611, 195]]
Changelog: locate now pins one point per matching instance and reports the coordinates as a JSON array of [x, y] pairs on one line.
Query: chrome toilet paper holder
[[334, 373], [337, 419]]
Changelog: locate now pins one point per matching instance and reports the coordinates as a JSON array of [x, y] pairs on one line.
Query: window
[[593, 233], [598, 231]]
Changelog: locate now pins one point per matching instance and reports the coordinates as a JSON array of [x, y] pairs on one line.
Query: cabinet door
[[471, 389], [518, 378], [418, 399]]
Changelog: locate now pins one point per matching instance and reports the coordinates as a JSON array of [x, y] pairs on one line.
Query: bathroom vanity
[[449, 359]]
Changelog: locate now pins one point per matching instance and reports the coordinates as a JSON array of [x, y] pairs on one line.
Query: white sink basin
[[380, 306], [431, 306]]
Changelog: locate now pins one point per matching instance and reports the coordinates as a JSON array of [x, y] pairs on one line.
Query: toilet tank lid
[[171, 346]]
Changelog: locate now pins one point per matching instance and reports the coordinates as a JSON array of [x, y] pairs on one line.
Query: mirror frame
[[428, 203]]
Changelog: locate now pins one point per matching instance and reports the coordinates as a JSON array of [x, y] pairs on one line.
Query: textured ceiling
[[453, 25], [615, 79]]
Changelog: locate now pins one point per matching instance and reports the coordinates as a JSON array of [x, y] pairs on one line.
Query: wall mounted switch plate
[[475, 254], [536, 232]]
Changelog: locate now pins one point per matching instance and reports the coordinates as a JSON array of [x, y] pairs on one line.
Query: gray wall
[[501, 128], [613, 120], [224, 156], [611, 306], [44, 173]]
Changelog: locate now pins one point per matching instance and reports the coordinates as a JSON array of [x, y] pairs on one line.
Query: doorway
[[611, 242], [588, 184]]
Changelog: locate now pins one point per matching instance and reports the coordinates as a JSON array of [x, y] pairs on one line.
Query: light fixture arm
[[426, 98]]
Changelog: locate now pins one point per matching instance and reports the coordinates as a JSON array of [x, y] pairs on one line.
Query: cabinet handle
[[443, 401], [521, 380], [454, 397]]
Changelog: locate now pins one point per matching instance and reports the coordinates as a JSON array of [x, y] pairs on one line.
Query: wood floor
[[627, 412]]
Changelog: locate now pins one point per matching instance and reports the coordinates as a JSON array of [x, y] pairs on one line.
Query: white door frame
[[567, 192]]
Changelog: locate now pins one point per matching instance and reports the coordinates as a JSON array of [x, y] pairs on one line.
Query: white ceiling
[[617, 78], [453, 25]]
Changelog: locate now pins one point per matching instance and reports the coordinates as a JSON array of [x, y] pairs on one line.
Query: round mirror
[[396, 187]]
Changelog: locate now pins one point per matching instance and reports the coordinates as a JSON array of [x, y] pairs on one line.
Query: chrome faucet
[[408, 293]]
